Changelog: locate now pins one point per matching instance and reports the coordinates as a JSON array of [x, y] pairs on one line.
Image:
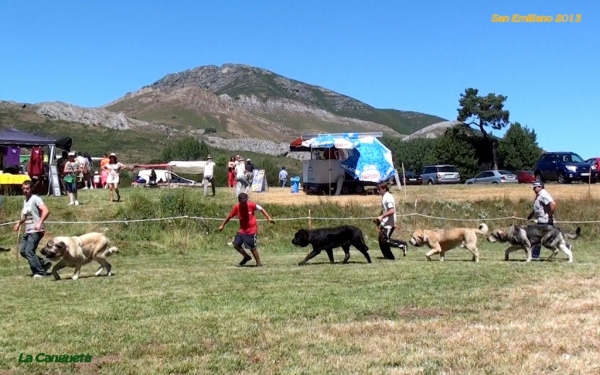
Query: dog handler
[[543, 211], [34, 214], [245, 211], [387, 220]]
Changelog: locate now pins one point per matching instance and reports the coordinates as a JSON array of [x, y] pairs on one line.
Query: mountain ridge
[[221, 104]]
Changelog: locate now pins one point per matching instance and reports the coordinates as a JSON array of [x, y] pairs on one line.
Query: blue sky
[[407, 55]]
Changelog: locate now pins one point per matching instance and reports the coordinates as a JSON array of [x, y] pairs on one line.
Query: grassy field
[[179, 304]]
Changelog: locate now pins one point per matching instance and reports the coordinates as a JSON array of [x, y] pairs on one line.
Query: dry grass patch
[[551, 327]]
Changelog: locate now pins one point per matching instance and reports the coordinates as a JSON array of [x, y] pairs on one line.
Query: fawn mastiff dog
[[79, 250], [442, 240]]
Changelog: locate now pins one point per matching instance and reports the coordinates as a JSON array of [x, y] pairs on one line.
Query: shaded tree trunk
[[494, 145], [495, 154]]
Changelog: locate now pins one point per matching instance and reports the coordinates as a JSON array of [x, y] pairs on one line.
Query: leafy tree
[[481, 112], [456, 147], [186, 149], [415, 154], [518, 149]]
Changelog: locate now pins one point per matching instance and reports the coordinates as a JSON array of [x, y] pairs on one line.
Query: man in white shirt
[[209, 176], [283, 175], [240, 176], [543, 212], [387, 222]]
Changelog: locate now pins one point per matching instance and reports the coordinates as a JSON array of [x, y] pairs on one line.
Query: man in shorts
[[245, 211]]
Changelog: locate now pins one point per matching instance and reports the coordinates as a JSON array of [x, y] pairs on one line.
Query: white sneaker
[[70, 204], [37, 276], [85, 188], [76, 203]]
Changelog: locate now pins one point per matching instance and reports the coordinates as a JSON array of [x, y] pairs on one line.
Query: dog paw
[[56, 276], [99, 271], [75, 277]]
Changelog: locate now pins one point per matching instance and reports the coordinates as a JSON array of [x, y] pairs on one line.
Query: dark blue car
[[564, 167]]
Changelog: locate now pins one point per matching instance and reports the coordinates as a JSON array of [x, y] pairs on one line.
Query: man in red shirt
[[245, 210]]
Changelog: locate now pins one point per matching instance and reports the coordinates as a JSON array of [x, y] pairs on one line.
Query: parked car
[[493, 177], [563, 167], [412, 178], [440, 174], [595, 162], [525, 177]]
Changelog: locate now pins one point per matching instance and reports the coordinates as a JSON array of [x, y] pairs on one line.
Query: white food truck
[[323, 173]]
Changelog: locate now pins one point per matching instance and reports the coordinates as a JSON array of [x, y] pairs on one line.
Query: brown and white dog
[[79, 250], [442, 240]]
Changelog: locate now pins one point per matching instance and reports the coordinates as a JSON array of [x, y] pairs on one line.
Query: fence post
[[415, 216], [309, 221]]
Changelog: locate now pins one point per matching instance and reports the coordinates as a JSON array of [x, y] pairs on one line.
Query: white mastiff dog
[[79, 250]]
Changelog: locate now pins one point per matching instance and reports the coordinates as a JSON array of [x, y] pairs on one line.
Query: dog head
[[54, 250], [498, 235], [419, 238], [302, 238]]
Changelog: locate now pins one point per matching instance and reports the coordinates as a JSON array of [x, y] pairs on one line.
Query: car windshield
[[572, 158], [575, 158], [447, 168]]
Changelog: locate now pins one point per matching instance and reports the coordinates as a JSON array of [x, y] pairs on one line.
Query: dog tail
[[112, 250], [483, 229], [362, 239], [572, 236]]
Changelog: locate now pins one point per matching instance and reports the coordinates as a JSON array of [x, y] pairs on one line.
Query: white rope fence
[[186, 217]]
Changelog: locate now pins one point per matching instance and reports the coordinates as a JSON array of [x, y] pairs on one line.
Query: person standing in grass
[[33, 215], [113, 168], [387, 220], [231, 172], [71, 171], [283, 175], [103, 171], [240, 176], [543, 212], [248, 231], [209, 176]]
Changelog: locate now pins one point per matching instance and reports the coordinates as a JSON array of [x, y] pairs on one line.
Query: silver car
[[440, 174], [493, 177]]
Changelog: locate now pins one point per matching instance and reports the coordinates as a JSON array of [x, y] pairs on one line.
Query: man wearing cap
[[209, 177], [543, 211], [247, 234]]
